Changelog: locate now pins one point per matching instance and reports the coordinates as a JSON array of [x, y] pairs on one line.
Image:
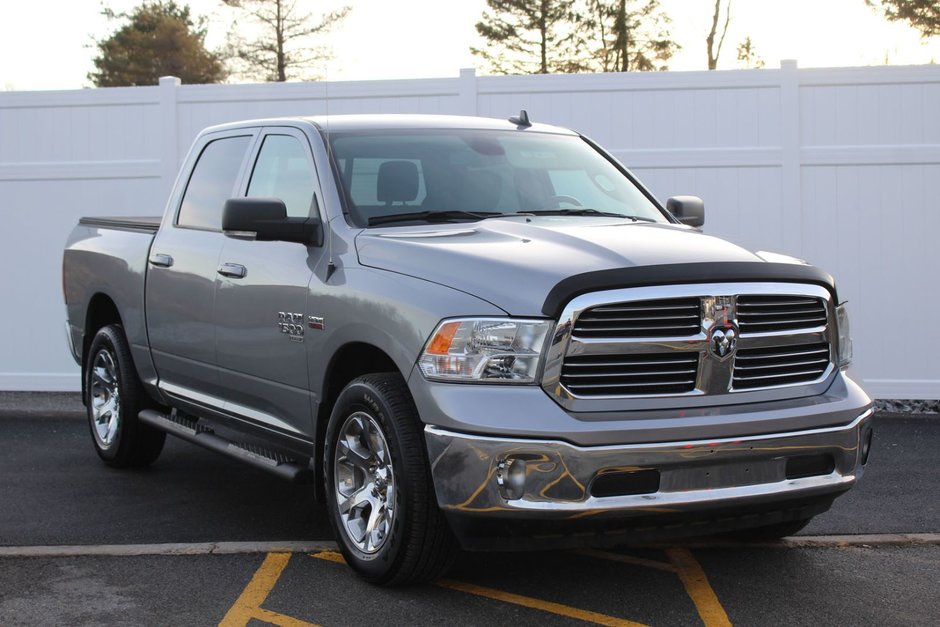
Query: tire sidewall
[[105, 340], [361, 396]]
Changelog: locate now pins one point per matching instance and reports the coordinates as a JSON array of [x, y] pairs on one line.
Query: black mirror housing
[[266, 219], [688, 210]]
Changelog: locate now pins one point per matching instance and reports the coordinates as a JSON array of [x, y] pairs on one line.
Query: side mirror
[[687, 209], [265, 219]]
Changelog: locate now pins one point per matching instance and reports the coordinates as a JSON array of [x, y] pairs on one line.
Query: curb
[[240, 548]]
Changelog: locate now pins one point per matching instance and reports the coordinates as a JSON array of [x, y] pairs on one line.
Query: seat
[[482, 190], [397, 182]]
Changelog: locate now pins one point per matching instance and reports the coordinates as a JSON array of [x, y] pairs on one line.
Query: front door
[[260, 316]]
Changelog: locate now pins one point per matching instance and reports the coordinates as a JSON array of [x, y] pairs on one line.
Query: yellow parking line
[[627, 559], [282, 620], [697, 586], [330, 556], [248, 604], [509, 597], [538, 604]]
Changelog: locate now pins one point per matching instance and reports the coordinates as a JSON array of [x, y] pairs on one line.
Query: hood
[[515, 262]]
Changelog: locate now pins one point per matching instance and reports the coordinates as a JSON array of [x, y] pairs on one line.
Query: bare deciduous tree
[[713, 50], [283, 48]]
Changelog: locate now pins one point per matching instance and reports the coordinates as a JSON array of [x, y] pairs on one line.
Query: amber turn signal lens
[[442, 340]]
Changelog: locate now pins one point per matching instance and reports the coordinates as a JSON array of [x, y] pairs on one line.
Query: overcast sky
[[46, 45]]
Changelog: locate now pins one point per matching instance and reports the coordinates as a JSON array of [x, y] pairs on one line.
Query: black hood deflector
[[678, 273]]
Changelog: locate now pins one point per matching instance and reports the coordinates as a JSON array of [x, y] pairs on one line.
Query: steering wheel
[[571, 200]]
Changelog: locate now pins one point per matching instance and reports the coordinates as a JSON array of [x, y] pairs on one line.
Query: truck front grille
[[654, 373], [779, 365], [708, 343], [673, 317], [759, 313]]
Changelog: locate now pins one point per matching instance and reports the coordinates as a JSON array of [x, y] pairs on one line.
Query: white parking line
[[232, 548], [834, 541], [196, 548]]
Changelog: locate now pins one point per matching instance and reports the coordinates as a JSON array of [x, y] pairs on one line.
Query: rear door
[[260, 317], [181, 277]]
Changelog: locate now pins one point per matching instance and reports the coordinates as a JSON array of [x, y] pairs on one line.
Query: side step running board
[[191, 431]]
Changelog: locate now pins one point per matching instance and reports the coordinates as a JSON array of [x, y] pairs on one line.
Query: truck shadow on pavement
[[56, 492]]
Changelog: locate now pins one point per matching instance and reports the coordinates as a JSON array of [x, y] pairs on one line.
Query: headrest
[[398, 181]]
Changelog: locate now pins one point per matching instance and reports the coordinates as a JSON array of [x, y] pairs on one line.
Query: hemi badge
[[315, 322]]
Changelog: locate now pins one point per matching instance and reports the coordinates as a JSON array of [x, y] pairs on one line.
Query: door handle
[[233, 270], [160, 260]]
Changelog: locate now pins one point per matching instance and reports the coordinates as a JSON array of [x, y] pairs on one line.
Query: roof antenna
[[331, 265], [522, 120]]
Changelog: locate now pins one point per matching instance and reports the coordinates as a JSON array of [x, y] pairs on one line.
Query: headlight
[[488, 350], [845, 339]]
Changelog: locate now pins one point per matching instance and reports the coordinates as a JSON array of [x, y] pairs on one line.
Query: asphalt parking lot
[[198, 539]]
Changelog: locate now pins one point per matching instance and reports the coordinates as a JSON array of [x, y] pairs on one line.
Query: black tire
[[769, 533], [419, 545], [130, 443]]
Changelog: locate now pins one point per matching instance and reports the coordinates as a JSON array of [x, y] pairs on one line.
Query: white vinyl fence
[[837, 166]]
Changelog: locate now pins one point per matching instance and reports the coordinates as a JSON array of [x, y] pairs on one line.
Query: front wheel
[[115, 396], [379, 488]]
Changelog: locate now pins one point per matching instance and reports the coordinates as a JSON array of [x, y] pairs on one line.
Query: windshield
[[422, 176]]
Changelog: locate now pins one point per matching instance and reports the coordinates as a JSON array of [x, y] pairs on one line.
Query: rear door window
[[212, 183]]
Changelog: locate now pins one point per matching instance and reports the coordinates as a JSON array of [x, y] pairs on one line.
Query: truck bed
[[104, 265]]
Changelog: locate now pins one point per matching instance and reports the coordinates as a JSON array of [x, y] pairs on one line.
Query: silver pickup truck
[[465, 332]]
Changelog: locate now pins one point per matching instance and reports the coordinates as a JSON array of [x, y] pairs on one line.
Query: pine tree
[[748, 56], [924, 15], [159, 39], [628, 35], [531, 37]]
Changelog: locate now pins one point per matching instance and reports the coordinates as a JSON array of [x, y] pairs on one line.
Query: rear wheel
[[379, 488], [115, 397]]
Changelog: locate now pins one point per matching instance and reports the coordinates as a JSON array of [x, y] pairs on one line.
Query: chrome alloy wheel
[[364, 482], [105, 398]]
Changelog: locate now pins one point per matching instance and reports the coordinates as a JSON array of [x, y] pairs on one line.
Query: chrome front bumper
[[543, 479]]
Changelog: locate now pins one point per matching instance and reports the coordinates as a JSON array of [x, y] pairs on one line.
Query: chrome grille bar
[[677, 317], [767, 366], [759, 313], [643, 374]]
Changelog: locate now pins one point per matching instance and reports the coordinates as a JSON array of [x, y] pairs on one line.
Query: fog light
[[510, 477], [866, 445]]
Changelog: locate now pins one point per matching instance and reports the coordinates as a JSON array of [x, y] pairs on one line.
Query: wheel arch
[[351, 360], [101, 311]]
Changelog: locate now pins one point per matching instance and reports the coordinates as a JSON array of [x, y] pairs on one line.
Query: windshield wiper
[[455, 214], [587, 211], [429, 216]]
